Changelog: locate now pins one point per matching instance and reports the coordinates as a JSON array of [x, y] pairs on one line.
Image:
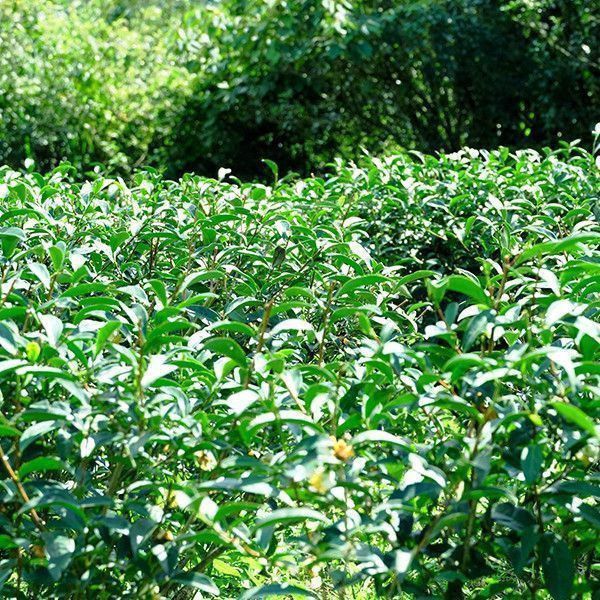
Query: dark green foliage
[[187, 86], [384, 381], [303, 81]]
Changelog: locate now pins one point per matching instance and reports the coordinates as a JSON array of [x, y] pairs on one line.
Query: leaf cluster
[[383, 381]]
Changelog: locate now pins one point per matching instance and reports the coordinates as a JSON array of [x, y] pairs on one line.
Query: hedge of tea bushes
[[381, 383]]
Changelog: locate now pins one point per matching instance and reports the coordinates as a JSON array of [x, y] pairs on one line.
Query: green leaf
[[468, 287], [380, 436], [461, 363], [576, 416], [417, 275], [576, 488], [360, 251], [531, 463], [291, 325], [233, 327], [57, 255], [249, 485], [241, 401], [360, 282], [197, 581], [41, 272], [194, 278], [8, 431], [558, 567], [227, 347], [590, 514], [157, 368], [457, 404], [279, 255], [290, 515], [277, 589], [83, 289], [53, 327], [35, 431], [284, 416], [160, 290], [477, 325], [273, 168], [557, 247], [6, 543], [60, 550], [41, 464], [512, 516], [103, 334], [10, 237], [7, 339], [32, 351], [135, 292], [225, 568], [7, 366]]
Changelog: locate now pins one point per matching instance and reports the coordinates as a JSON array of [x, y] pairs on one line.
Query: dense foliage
[[303, 81], [183, 85], [84, 81], [215, 387]]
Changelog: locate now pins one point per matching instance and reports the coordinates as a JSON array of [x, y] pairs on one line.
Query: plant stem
[[326, 314], [39, 523]]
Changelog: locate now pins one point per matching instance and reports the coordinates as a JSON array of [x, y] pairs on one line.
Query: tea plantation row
[[382, 383]]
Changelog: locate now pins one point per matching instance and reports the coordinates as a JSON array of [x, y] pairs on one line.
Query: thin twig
[[15, 479]]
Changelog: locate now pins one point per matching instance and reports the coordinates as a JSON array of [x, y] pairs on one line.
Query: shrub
[[213, 385], [303, 81], [187, 86], [84, 82]]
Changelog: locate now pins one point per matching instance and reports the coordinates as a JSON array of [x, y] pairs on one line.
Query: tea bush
[[380, 383]]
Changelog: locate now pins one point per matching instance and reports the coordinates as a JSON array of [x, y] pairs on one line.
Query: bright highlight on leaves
[[382, 382]]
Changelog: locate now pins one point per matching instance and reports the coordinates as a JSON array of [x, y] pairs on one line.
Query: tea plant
[[382, 383]]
